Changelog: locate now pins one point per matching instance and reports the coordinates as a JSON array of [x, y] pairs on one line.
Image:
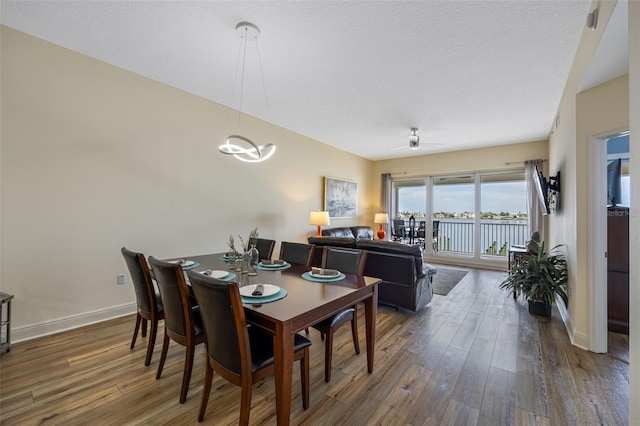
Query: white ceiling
[[353, 74]]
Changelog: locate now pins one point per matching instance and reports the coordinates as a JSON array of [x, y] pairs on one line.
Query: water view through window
[[486, 224]]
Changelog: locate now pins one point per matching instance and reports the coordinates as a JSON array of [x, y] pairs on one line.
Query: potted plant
[[541, 277]]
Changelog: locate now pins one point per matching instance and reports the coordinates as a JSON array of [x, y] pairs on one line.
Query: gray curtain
[[385, 198], [535, 221]]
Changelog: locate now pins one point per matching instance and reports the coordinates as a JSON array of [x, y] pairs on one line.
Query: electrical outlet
[[122, 279]]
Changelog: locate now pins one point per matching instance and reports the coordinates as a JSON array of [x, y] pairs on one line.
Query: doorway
[[597, 218]]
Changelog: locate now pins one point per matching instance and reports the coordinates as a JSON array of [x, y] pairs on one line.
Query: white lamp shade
[[319, 218], [381, 218]]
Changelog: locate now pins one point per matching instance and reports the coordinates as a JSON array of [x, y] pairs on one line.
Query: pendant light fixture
[[242, 147]]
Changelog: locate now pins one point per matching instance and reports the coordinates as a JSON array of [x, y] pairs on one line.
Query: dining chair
[[239, 353], [265, 247], [296, 253], [148, 301], [349, 261], [182, 322]]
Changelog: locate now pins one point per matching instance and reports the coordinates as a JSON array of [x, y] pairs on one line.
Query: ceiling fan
[[414, 141]]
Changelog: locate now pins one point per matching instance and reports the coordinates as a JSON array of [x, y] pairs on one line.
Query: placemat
[[195, 265], [260, 300], [307, 276]]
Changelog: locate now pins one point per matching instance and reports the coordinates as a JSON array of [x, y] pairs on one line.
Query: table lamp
[[319, 218], [381, 218]]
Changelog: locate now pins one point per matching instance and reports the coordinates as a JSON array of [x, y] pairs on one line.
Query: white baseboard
[[577, 339], [20, 334]]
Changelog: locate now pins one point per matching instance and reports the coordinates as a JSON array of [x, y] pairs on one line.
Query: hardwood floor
[[474, 357]]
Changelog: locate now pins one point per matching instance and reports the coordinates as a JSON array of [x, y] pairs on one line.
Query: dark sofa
[[357, 232], [406, 279]]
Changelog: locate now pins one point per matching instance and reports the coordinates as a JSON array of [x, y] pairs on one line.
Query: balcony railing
[[495, 236]]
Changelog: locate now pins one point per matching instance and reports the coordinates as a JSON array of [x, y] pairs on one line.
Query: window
[[410, 198], [480, 214]]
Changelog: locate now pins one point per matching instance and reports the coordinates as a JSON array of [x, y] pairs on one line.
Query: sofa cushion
[[333, 241], [338, 232], [396, 248], [362, 232]]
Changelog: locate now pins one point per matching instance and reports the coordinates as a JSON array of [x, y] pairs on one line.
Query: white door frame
[[597, 239]]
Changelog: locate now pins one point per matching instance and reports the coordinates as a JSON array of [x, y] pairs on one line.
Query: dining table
[[306, 303]]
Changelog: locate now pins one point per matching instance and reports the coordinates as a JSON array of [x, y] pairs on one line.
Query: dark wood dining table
[[306, 303]]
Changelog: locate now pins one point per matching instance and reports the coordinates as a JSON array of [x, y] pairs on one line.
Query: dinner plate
[[271, 265], [324, 276], [215, 274], [268, 290]]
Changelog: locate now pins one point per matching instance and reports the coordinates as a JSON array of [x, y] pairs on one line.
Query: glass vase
[[253, 257]]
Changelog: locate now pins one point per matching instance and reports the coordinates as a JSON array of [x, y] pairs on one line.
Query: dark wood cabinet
[[618, 269]]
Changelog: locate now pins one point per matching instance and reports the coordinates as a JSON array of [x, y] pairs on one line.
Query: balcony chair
[[240, 354], [148, 301], [182, 322], [422, 233], [436, 233], [399, 230], [349, 261]]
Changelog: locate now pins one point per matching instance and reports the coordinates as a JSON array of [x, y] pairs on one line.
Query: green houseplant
[[541, 277]]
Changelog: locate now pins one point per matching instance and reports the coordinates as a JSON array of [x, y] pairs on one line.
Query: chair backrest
[[141, 277], [436, 228], [422, 229], [399, 229], [175, 296], [349, 261], [265, 247], [224, 322], [298, 253]]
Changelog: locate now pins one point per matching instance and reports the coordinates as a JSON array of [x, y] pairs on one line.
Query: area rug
[[446, 279]]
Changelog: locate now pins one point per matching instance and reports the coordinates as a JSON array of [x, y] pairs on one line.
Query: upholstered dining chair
[[148, 301], [349, 261], [182, 322], [296, 253], [265, 247], [240, 354]]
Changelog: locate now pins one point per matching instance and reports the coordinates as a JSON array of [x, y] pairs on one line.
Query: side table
[[5, 324]]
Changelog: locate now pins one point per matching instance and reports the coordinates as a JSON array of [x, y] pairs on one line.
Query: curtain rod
[[508, 163]]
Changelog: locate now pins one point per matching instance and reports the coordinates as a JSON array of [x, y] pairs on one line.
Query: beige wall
[[95, 158], [603, 109], [567, 153]]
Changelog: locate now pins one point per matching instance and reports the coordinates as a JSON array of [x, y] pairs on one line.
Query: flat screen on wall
[[542, 190]]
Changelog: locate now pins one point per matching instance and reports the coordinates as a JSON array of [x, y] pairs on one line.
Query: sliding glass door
[[477, 215]]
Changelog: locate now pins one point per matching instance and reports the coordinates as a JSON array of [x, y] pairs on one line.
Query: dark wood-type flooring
[[474, 357]]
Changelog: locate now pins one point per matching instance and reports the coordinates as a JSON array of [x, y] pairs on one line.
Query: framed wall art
[[340, 197]]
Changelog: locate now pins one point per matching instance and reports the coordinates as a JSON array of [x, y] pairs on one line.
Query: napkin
[[272, 262], [258, 291], [181, 261], [325, 272]]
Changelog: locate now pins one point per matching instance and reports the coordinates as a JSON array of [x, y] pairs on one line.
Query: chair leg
[[304, 378], [328, 350], [354, 329], [163, 355], [135, 331], [186, 376], [208, 378], [144, 327], [245, 401], [152, 342]]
